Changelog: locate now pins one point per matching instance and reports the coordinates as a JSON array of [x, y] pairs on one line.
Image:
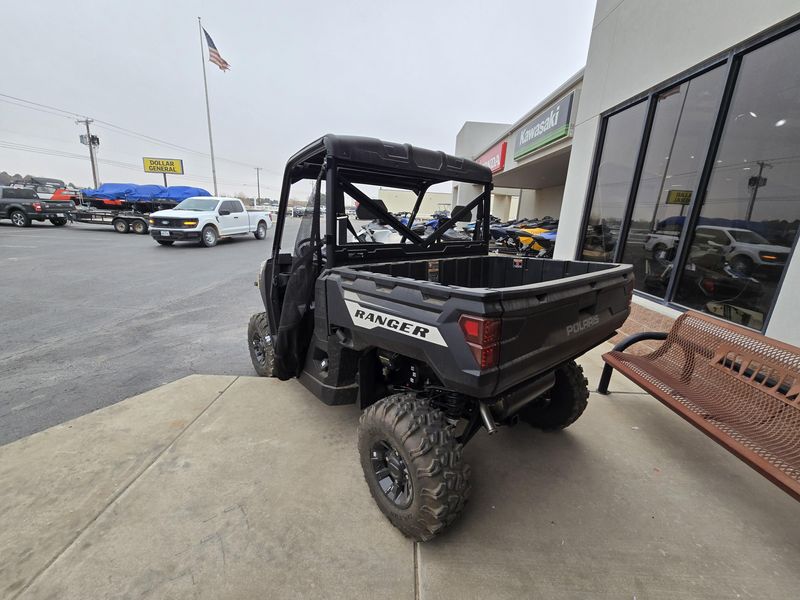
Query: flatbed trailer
[[121, 221]]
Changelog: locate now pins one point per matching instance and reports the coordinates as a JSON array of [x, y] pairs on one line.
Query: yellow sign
[[679, 197], [172, 166]]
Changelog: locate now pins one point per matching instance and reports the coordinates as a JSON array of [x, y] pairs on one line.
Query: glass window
[[752, 203], [614, 177], [676, 149]]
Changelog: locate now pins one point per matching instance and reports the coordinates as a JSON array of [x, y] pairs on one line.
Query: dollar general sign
[[172, 166]]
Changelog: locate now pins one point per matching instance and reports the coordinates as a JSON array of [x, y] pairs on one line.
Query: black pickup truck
[[433, 337], [22, 205]]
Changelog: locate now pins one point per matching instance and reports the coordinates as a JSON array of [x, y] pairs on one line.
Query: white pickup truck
[[206, 219]]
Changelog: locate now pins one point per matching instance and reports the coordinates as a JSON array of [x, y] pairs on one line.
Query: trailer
[[127, 206], [123, 221]]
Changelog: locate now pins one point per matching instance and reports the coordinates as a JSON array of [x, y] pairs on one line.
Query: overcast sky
[[409, 71]]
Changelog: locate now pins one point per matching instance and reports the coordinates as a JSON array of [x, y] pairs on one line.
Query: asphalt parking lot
[[89, 317]]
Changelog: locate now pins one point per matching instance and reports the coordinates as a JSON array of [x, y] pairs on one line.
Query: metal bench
[[740, 388]]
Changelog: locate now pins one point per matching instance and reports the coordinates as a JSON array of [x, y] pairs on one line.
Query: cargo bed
[[551, 311]]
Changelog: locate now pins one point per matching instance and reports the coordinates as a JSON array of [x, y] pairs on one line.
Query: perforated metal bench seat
[[739, 387]]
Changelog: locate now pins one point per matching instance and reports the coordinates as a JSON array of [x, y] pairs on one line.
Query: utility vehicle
[[433, 338]]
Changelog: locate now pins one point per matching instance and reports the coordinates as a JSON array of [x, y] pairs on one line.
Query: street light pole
[[258, 184]]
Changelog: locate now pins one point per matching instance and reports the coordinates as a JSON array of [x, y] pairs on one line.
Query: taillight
[[483, 338], [37, 206]]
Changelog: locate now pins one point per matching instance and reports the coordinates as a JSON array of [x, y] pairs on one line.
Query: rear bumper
[[174, 234], [51, 214]]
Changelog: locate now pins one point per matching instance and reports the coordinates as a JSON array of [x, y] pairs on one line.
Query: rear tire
[[412, 464], [139, 227], [165, 242], [563, 404], [261, 231], [260, 343], [19, 219], [209, 236], [121, 226], [58, 221]]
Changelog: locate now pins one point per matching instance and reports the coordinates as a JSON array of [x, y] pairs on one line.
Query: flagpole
[[208, 107]]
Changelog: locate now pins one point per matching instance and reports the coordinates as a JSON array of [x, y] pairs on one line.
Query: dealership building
[[677, 150]]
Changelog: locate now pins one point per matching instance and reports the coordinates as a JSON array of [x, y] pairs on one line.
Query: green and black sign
[[546, 127]]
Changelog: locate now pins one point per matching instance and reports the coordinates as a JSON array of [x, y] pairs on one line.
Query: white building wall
[[637, 44]]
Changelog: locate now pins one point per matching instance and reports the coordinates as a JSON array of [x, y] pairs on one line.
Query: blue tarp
[[146, 192], [143, 193], [182, 192], [111, 191]]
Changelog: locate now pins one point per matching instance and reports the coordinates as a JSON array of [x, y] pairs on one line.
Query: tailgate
[[549, 323]]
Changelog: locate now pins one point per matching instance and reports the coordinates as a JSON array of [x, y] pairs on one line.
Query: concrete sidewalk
[[225, 487]]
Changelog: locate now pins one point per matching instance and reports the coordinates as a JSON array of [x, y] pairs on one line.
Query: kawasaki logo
[[582, 325], [367, 318]]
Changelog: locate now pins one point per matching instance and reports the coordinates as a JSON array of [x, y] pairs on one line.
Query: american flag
[[213, 54]]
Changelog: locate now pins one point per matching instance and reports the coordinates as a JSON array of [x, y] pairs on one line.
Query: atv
[[432, 337]]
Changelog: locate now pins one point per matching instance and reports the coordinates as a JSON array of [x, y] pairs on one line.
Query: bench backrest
[[768, 365]]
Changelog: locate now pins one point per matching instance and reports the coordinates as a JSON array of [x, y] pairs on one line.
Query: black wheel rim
[[259, 349], [392, 475]]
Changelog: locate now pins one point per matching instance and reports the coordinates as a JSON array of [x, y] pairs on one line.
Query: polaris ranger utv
[[432, 337]]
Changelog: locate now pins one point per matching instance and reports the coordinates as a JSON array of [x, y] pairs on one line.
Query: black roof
[[373, 154]]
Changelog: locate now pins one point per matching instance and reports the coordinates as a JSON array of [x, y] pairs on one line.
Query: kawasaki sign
[[548, 126]]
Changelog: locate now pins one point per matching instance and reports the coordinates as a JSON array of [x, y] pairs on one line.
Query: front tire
[[20, 219], [412, 464], [165, 242], [742, 264], [563, 404], [260, 343], [209, 236]]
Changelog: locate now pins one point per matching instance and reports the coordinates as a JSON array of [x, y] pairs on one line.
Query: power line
[[114, 163], [46, 108]]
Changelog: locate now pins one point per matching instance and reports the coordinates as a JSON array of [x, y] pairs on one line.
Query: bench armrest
[[629, 341]]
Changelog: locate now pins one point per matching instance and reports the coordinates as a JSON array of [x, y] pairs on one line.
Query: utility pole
[[258, 184], [90, 143]]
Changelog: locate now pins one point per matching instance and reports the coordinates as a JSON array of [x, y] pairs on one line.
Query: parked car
[[206, 219], [22, 205], [744, 249]]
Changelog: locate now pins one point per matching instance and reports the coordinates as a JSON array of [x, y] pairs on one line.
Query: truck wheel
[[121, 226], [165, 242], [412, 464], [209, 237], [20, 219], [742, 264], [139, 227], [58, 221], [260, 343], [564, 403], [261, 231]]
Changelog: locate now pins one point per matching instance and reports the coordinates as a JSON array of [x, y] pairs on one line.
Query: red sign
[[494, 158]]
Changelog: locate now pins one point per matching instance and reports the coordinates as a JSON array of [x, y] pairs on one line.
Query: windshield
[[747, 237], [199, 204]]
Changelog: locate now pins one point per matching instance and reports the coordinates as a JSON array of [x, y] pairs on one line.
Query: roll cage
[[345, 161]]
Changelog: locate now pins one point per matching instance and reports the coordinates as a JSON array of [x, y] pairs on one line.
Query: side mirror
[[223, 212]]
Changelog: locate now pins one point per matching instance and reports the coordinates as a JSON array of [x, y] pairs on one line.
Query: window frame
[[731, 60]]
